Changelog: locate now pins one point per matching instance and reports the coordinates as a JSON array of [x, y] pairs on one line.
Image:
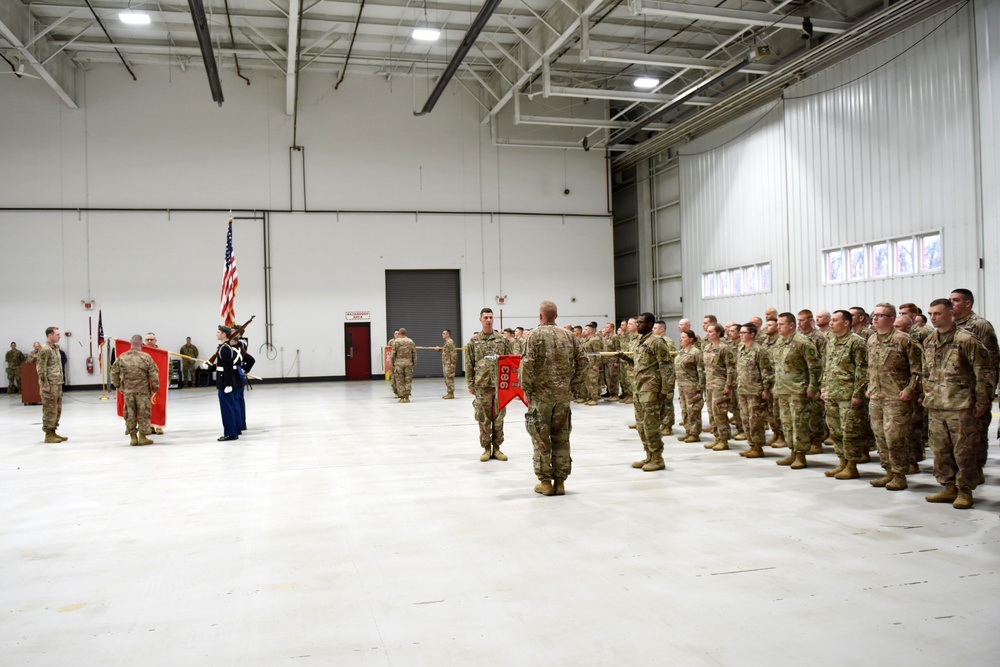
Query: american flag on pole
[[100, 334], [229, 281]]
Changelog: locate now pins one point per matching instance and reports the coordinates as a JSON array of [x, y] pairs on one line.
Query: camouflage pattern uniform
[[611, 366], [796, 371], [894, 366], [653, 373], [628, 343], [403, 359], [50, 374], [689, 367], [754, 376], [720, 369], [187, 365], [14, 359], [817, 419], [918, 422], [552, 362], [481, 379], [957, 380], [984, 332], [449, 357], [667, 417], [592, 382], [771, 406], [734, 395], [845, 377], [920, 333], [135, 375]]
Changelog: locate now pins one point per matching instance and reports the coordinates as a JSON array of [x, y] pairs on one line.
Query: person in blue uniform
[[227, 381]]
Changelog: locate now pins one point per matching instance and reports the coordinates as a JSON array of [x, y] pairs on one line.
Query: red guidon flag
[[508, 380], [158, 416]]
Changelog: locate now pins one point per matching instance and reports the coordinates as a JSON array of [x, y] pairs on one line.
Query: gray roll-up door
[[425, 303]]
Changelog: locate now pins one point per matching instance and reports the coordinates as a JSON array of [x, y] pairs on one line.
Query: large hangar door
[[425, 303]]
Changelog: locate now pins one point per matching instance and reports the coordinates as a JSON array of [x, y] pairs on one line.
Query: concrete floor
[[347, 529]]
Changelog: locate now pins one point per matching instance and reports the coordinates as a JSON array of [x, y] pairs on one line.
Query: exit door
[[357, 351]]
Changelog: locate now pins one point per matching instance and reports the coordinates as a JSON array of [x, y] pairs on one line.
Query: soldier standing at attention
[[817, 419], [135, 375], [628, 342], [958, 383], [653, 373], [755, 380], [14, 359], [823, 321], [967, 320], [796, 382], [736, 345], [50, 384], [859, 323], [594, 344], [187, 365], [226, 380], [481, 354], [918, 421], [551, 363], [720, 372], [403, 358], [667, 417], [150, 341], [768, 341], [448, 357], [919, 332], [845, 381], [689, 368], [893, 378], [611, 365]]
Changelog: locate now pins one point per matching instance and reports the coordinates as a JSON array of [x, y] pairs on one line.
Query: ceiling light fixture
[[133, 18], [423, 32], [645, 82]]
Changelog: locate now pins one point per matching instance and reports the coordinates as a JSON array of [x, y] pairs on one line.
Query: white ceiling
[[583, 49]]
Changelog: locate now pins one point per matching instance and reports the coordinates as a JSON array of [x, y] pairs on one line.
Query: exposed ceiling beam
[[19, 28], [291, 69], [735, 16], [671, 62]]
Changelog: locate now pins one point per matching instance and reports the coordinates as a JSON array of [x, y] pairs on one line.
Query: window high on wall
[[884, 258], [737, 281]]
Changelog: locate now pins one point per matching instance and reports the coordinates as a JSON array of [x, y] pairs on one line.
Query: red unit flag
[[158, 415], [508, 380]]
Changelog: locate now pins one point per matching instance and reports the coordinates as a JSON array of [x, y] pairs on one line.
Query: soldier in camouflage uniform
[[628, 344], [845, 380], [403, 358], [653, 373], [32, 358], [689, 368], [135, 375], [187, 365], [796, 382], [918, 420], [593, 345], [860, 325], [967, 320], [957, 382], [448, 358], [611, 365], [768, 341], [720, 371], [893, 378], [817, 420], [552, 362], [733, 335], [754, 382], [50, 384], [918, 332], [481, 354], [667, 409], [14, 359]]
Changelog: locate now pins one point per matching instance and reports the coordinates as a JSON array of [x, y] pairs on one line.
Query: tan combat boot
[[61, 438], [692, 438], [639, 464], [143, 440], [591, 402], [948, 495], [787, 461], [866, 457], [838, 469], [633, 426], [486, 456], [655, 462], [913, 469], [711, 445], [448, 396], [721, 446], [779, 443], [772, 439], [963, 501], [883, 480], [544, 487], [815, 448], [897, 483], [666, 430], [799, 462], [133, 439], [740, 436], [498, 455], [50, 436], [850, 471], [755, 452], [560, 486]]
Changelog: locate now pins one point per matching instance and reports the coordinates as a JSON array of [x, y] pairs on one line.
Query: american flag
[[100, 334], [230, 281]]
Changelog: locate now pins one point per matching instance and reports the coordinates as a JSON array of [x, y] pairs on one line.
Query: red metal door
[[357, 351]]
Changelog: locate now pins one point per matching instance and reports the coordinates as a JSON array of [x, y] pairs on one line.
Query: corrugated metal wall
[[880, 146], [987, 22]]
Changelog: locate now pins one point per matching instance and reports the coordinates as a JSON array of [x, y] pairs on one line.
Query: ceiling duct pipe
[[108, 35], [470, 38], [205, 42], [657, 114]]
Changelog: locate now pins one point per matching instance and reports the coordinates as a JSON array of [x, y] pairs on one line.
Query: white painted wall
[[161, 143], [882, 145]]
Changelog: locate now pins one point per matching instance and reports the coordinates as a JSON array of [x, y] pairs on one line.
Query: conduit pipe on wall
[[463, 49]]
